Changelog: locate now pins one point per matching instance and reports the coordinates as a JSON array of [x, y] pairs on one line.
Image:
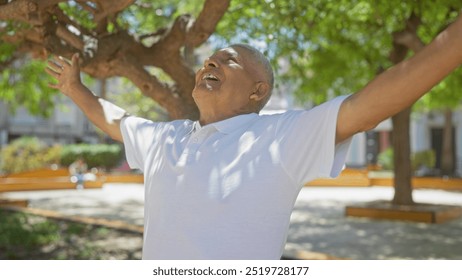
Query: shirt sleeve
[[307, 142], [138, 137]]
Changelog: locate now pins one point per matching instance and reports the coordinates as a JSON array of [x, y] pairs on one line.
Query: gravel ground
[[318, 221]]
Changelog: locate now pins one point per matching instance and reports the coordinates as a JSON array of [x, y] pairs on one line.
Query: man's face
[[226, 81]]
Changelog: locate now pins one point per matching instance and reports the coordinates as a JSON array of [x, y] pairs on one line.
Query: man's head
[[234, 80], [264, 65]]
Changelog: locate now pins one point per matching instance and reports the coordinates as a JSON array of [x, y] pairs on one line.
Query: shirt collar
[[229, 125], [194, 126]]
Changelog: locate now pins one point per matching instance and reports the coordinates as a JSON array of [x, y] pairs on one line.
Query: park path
[[318, 223]]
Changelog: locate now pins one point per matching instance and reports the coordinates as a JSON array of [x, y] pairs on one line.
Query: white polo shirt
[[226, 190]]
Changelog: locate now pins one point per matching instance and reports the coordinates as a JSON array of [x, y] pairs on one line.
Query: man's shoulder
[[173, 123], [142, 128], [315, 109], [276, 116]]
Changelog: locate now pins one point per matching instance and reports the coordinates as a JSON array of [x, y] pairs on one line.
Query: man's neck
[[206, 119]]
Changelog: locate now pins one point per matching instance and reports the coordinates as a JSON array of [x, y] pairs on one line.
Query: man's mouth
[[210, 77]]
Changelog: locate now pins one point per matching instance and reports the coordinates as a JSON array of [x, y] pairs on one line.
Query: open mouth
[[210, 77]]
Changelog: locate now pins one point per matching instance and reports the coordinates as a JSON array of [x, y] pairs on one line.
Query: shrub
[[426, 159], [95, 155], [385, 159], [53, 155], [420, 159], [28, 153]]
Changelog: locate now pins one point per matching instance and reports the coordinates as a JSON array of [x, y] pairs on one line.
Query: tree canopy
[[336, 47], [116, 38], [332, 47]]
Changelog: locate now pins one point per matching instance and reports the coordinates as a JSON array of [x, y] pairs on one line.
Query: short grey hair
[[263, 61]]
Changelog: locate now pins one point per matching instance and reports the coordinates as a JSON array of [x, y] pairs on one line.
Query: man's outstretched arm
[[400, 86], [100, 112]]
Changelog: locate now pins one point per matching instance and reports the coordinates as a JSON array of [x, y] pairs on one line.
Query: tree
[[115, 38], [335, 47], [445, 99], [23, 83]]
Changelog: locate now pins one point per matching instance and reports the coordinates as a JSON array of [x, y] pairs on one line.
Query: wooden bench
[[348, 177], [363, 178], [44, 179]]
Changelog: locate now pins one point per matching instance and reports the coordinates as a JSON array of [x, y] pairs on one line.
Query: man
[[224, 187]]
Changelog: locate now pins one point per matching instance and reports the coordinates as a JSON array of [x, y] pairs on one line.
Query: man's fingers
[[52, 72], [65, 61], [62, 69], [75, 59], [60, 60], [54, 65], [55, 86]]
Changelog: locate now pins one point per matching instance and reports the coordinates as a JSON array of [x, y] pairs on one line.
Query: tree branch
[[18, 10], [44, 4], [74, 40], [175, 37], [206, 22], [118, 53], [408, 37], [107, 8], [87, 7], [149, 85], [64, 19], [187, 32]]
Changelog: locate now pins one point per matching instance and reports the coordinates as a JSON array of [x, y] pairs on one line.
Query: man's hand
[[66, 72], [102, 113]]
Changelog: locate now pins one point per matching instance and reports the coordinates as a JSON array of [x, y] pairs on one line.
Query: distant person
[[77, 170], [223, 187]]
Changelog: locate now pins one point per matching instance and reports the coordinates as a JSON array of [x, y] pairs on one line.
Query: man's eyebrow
[[234, 55], [230, 52]]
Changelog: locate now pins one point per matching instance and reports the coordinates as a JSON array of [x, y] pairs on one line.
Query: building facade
[[426, 133], [69, 125], [66, 125]]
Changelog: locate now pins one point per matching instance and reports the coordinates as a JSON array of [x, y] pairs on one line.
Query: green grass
[[24, 236], [19, 233]]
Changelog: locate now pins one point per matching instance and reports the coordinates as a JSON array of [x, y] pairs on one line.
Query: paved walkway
[[317, 224]]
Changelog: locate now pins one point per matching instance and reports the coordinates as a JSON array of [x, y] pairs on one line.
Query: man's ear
[[260, 92]]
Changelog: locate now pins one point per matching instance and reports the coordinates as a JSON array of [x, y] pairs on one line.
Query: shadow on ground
[[321, 226], [127, 211]]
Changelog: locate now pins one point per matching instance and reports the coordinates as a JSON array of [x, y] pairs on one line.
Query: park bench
[[349, 177], [44, 179], [364, 178]]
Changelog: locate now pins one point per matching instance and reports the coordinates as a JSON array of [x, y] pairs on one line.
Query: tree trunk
[[103, 88], [401, 158], [402, 42], [447, 159]]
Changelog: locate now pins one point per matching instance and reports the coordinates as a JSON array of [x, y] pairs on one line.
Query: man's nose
[[210, 62]]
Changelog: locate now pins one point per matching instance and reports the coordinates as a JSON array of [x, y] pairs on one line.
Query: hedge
[[425, 158], [29, 153], [105, 156]]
